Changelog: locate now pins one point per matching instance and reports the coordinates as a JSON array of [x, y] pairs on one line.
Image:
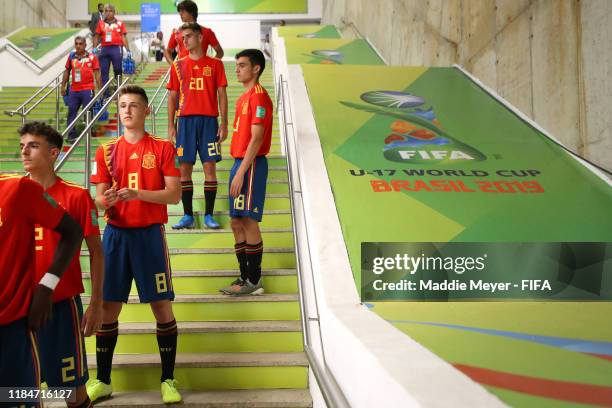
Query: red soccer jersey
[[140, 166], [79, 205], [197, 82], [23, 203], [82, 69], [176, 40], [111, 33], [253, 107]]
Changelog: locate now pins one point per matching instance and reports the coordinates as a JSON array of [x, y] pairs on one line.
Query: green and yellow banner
[[329, 51], [214, 6], [309, 31], [432, 158]]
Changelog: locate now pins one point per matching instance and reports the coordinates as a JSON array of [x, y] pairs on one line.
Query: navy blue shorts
[[62, 346], [19, 362], [250, 202], [140, 254], [197, 134]]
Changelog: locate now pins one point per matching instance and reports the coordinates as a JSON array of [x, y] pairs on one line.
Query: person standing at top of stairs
[[198, 82], [251, 142], [188, 10], [112, 36], [84, 67], [136, 177], [61, 341]]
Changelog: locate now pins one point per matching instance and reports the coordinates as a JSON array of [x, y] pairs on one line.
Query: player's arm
[[257, 137], [65, 81], [106, 196], [219, 53], [172, 97], [95, 40], [169, 195], [168, 55], [125, 42], [98, 79], [222, 96], [92, 319], [71, 237]]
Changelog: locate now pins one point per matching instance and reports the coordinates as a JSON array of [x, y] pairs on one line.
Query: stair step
[[213, 337], [203, 360], [216, 327], [277, 297], [274, 398], [189, 308], [212, 371]]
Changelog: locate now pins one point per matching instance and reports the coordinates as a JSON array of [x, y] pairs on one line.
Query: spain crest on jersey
[[148, 161], [207, 71]]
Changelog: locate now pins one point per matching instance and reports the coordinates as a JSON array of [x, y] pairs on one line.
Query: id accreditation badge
[[108, 36], [77, 75]]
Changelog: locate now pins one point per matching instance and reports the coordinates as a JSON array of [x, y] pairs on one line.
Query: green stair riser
[[235, 342], [216, 311], [78, 165], [216, 378], [268, 221], [210, 285], [217, 261]]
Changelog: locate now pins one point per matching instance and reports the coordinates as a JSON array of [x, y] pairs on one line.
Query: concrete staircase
[[244, 351]]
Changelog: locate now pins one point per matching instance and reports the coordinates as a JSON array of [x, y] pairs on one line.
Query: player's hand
[[111, 197], [172, 134], [92, 319], [63, 91], [222, 133], [127, 194], [40, 308], [236, 185]]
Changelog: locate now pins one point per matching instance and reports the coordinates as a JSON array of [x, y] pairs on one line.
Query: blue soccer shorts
[[197, 134], [62, 346], [140, 254], [250, 202]]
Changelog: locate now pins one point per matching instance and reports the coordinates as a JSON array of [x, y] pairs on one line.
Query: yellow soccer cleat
[[97, 389], [170, 394]]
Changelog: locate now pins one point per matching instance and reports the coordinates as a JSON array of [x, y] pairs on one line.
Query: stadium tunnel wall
[[551, 59], [32, 13]]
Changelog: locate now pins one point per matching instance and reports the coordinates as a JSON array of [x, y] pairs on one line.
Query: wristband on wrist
[[49, 280]]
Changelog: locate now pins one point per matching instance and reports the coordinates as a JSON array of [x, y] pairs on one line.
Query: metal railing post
[[88, 149], [57, 103], [118, 117], [153, 118]]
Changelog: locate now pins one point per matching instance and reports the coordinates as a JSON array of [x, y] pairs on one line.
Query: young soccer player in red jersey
[[61, 342], [136, 176], [85, 68], [198, 83], [188, 10], [250, 144], [25, 303]]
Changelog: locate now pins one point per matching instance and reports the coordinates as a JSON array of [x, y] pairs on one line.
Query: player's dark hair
[[188, 6], [43, 130], [255, 56], [80, 38], [136, 90], [195, 27]]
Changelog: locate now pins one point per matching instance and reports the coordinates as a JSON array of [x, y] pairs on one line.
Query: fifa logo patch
[[261, 112], [148, 161], [207, 71]]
